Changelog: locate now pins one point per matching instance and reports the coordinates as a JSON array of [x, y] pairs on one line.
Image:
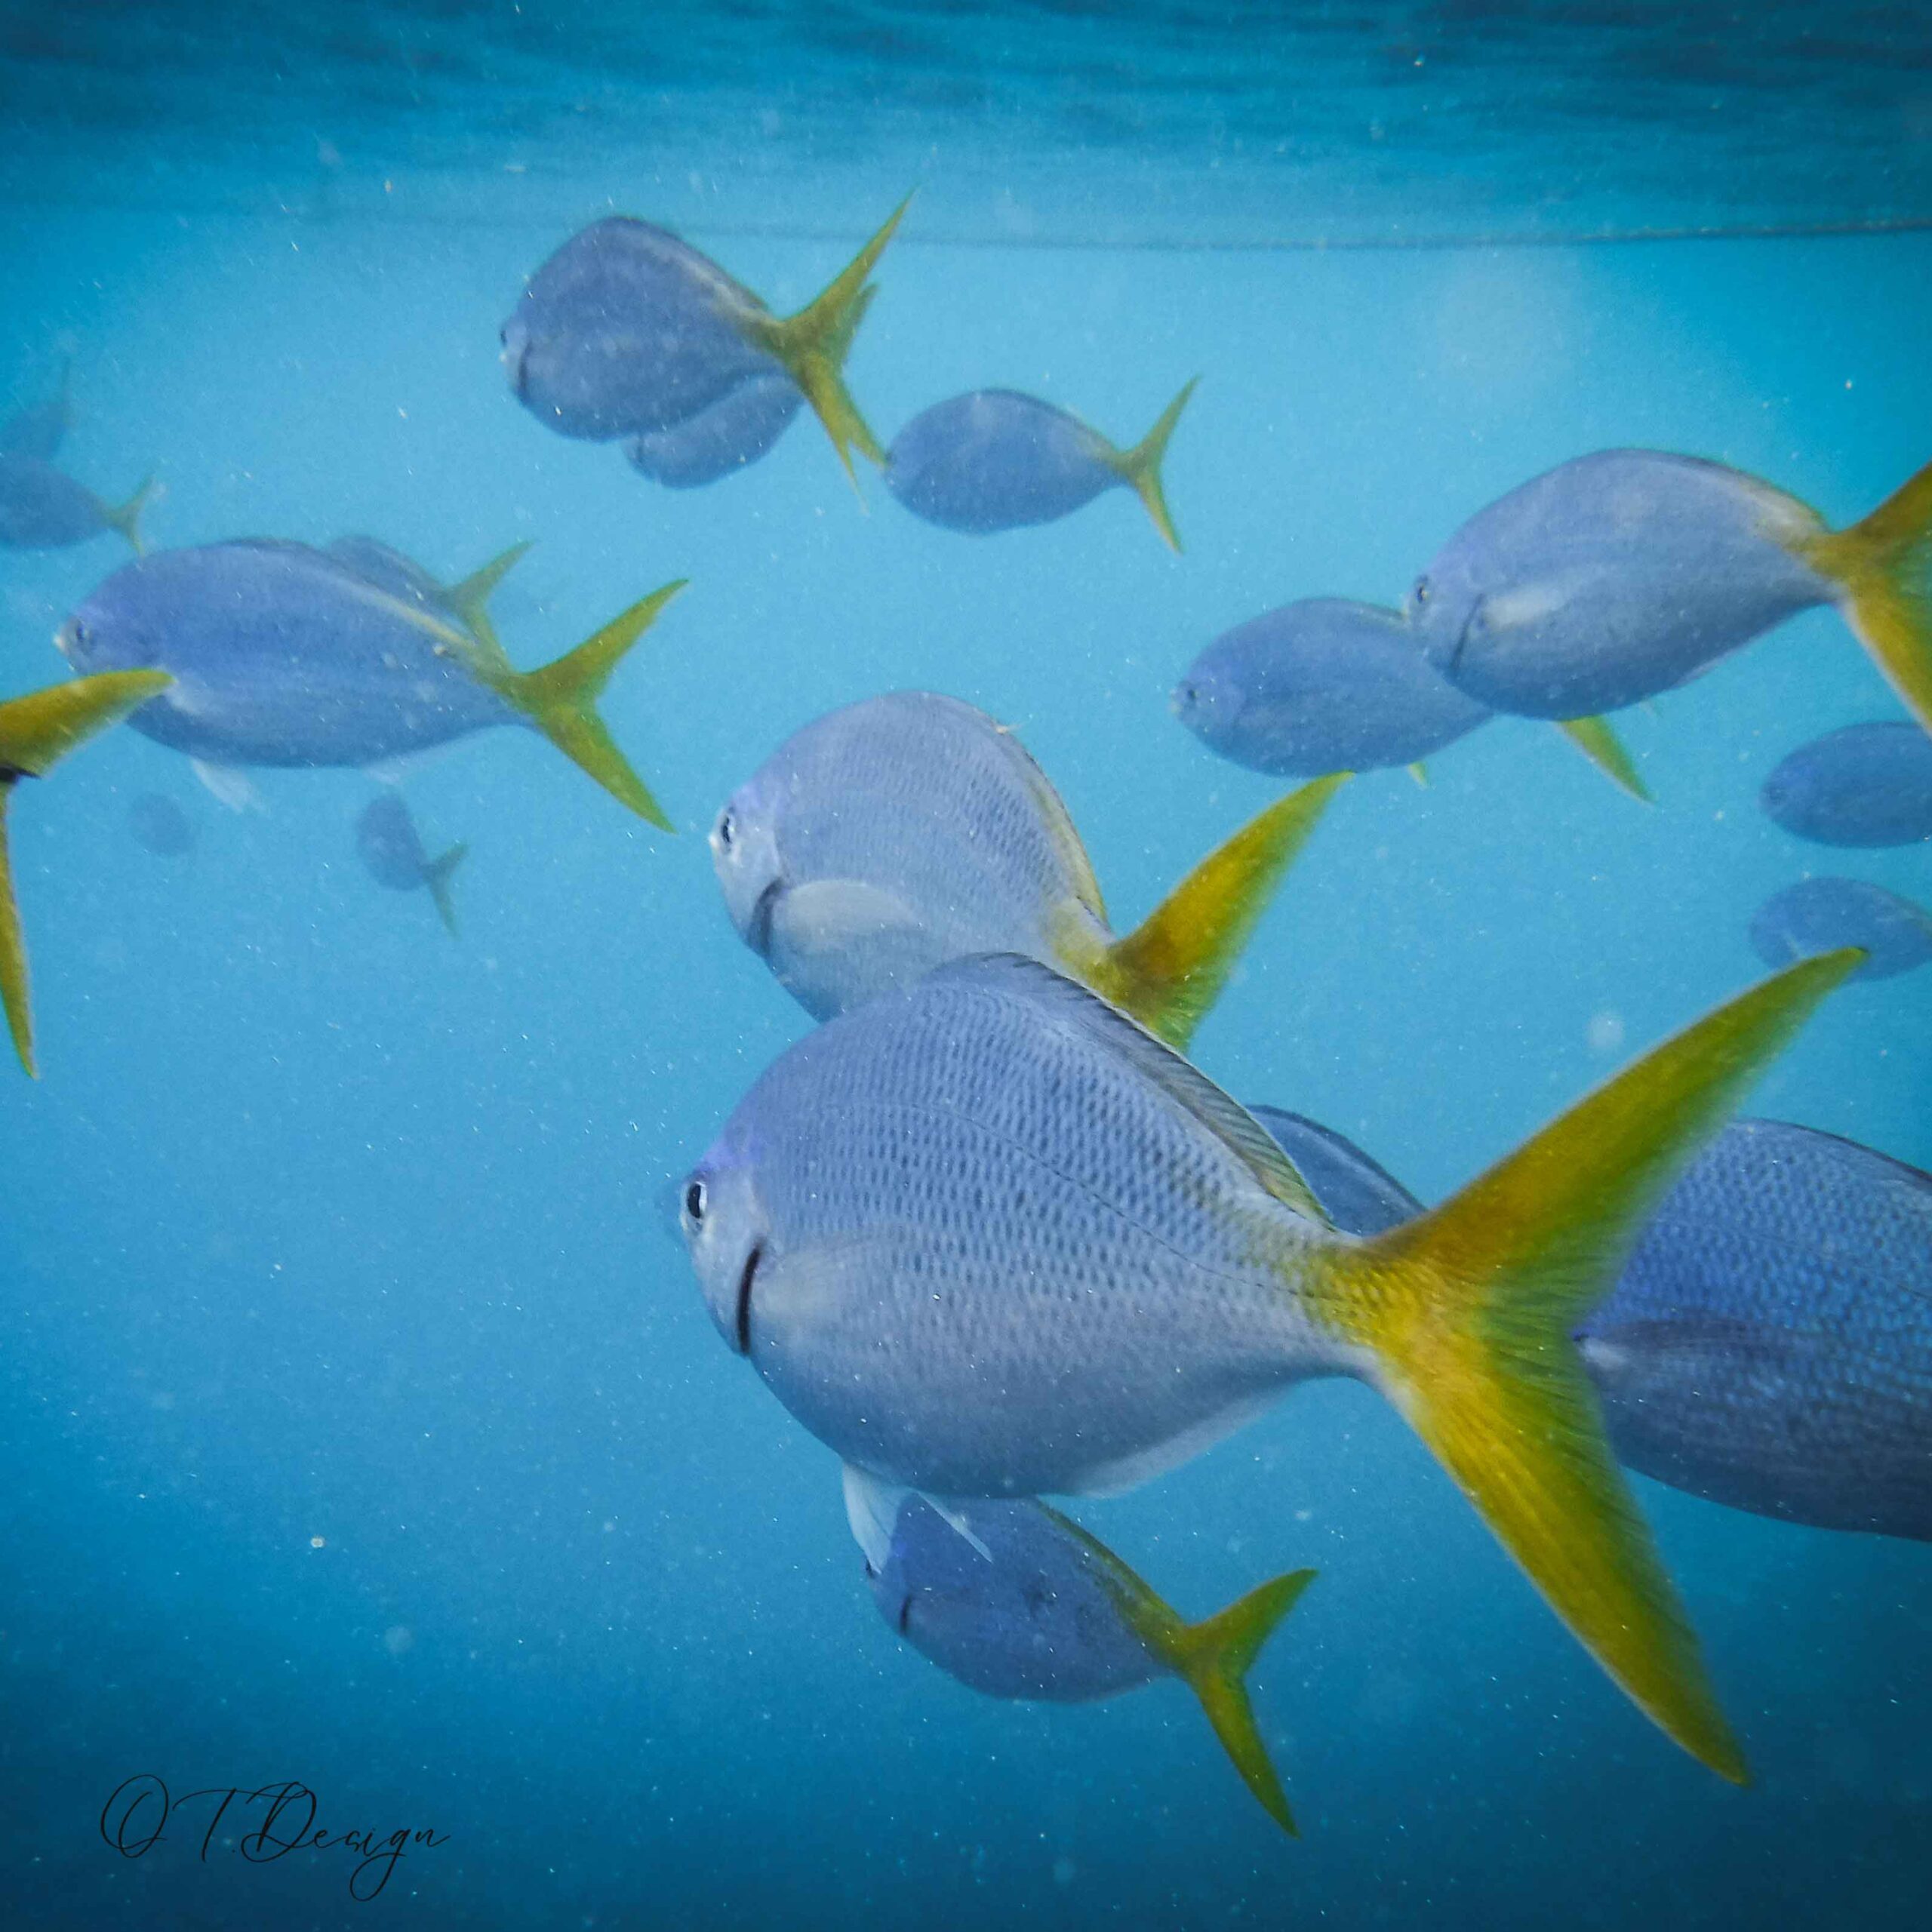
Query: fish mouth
[[758, 928]]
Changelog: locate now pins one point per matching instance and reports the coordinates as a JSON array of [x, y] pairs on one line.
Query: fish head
[[1445, 608], [745, 855], [1210, 698], [727, 1233], [112, 630]]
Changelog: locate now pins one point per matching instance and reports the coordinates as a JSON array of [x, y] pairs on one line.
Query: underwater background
[[362, 1423]]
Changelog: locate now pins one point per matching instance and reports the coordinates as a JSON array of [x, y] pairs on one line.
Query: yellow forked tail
[[1141, 466], [1882, 567], [1598, 743], [813, 343], [1470, 1311], [126, 517], [1170, 969], [561, 700], [36, 732]]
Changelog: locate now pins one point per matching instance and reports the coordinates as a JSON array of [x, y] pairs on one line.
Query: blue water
[[363, 1423]]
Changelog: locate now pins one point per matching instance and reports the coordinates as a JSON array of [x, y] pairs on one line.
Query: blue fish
[[42, 508], [989, 1237], [1769, 1343], [1015, 1599], [1625, 573], [996, 460], [627, 331], [391, 852], [281, 655], [735, 431], [160, 825], [36, 732], [1820, 914], [1328, 684], [893, 835], [1866, 785]]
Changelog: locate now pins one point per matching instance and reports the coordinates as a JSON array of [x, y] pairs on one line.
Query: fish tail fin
[[813, 343], [1141, 466], [36, 732], [561, 700], [1596, 739], [1170, 969], [126, 517], [1883, 568], [1469, 1311], [1213, 1659], [469, 599], [437, 876]]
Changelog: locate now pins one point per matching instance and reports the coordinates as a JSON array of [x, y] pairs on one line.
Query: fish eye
[[1190, 694], [695, 1201], [81, 636], [1420, 593]]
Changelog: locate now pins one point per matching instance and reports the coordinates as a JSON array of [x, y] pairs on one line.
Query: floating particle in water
[[1605, 1032]]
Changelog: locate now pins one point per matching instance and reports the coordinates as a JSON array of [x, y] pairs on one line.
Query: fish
[[42, 508], [996, 460], [735, 431], [891, 835], [1768, 1345], [626, 330], [391, 853], [1817, 914], [281, 655], [1627, 572], [1015, 1599], [1328, 684], [160, 825], [990, 1237], [37, 730], [38, 433], [1867, 784], [467, 600]]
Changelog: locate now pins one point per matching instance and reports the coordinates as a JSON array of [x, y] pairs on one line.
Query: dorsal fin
[[1220, 1113]]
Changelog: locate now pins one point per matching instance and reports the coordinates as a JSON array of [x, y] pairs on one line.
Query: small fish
[[626, 331], [36, 732], [1866, 785], [1625, 573], [996, 460], [392, 855], [38, 433], [282, 655], [160, 825], [735, 431], [1769, 1343], [1015, 1599], [988, 1237], [1326, 685], [42, 508], [892, 835], [1819, 915]]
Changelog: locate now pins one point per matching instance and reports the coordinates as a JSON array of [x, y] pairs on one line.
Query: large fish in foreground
[[1015, 1599], [999, 460], [888, 837], [1769, 1343], [1624, 573], [627, 331], [36, 732], [989, 1238], [1328, 684], [282, 655]]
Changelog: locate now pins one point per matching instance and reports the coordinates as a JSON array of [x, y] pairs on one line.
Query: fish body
[[160, 825], [1610, 579], [1817, 915], [391, 850], [389, 569], [1867, 784], [735, 430], [997, 459], [889, 837], [988, 1237], [42, 508], [1326, 684], [1768, 1345], [280, 656]]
